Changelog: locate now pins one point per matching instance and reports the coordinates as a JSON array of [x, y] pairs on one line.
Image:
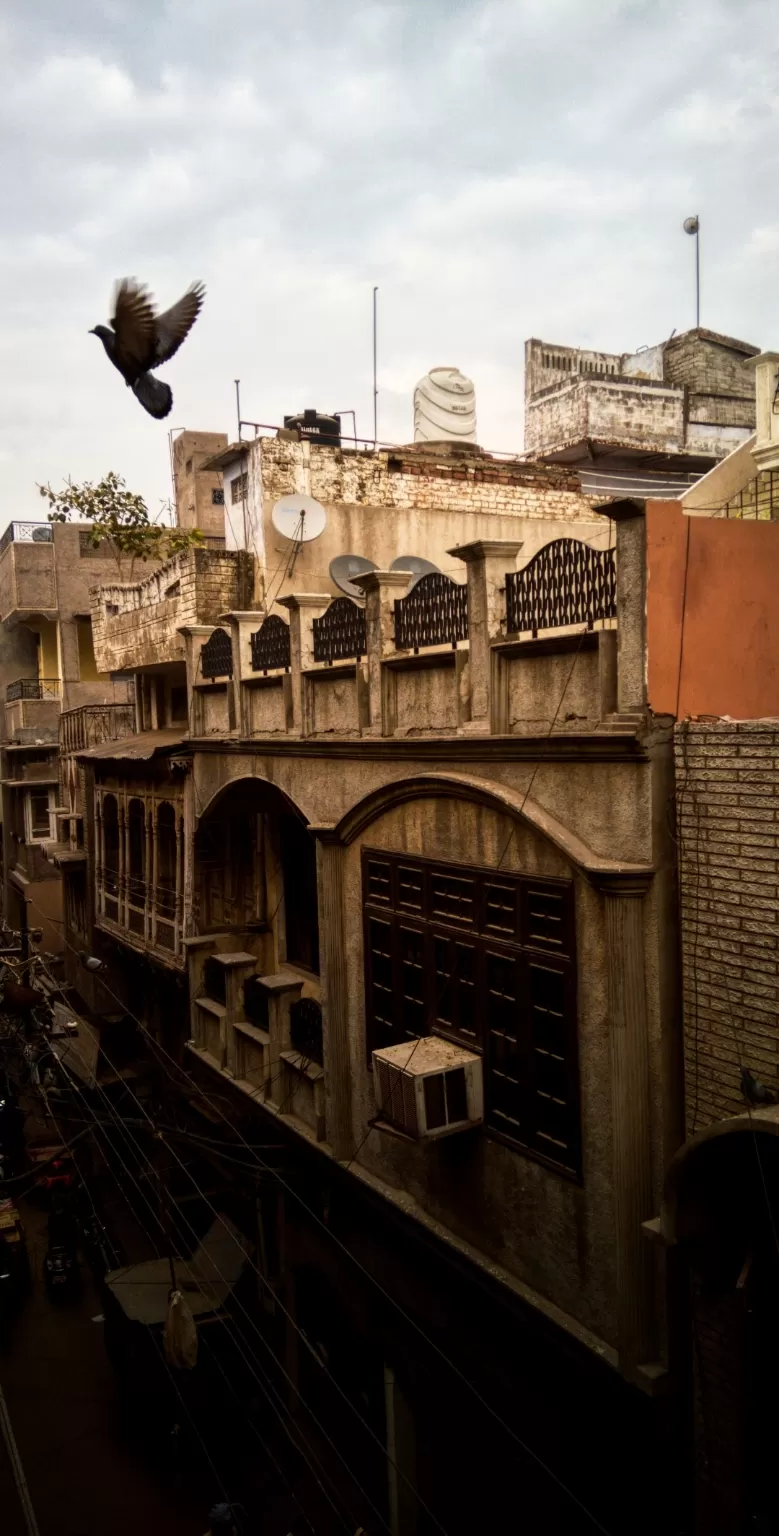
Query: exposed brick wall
[[423, 480], [201, 583], [711, 366], [728, 843], [644, 415]]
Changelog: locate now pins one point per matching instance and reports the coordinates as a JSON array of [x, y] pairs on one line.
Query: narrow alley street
[[85, 1475]]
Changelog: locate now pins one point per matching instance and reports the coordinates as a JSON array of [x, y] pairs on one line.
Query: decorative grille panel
[[340, 633], [270, 645], [305, 1020], [567, 582], [216, 657], [434, 612]]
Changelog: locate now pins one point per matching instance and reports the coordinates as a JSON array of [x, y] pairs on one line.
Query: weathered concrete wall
[[709, 364], [692, 393], [728, 848], [566, 681], [553, 1234], [195, 487], [409, 501], [266, 710], [136, 624], [642, 415]]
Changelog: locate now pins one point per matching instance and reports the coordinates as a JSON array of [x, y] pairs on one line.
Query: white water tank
[[444, 408]]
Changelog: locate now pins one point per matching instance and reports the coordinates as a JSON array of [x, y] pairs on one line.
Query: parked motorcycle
[[61, 1272]]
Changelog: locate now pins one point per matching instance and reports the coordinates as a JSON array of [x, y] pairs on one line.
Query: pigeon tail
[[155, 397]]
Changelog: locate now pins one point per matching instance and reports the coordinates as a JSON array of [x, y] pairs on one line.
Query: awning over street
[[206, 1280]]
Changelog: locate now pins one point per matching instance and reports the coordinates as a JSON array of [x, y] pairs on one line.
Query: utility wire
[[239, 1340], [412, 1323], [128, 1142]]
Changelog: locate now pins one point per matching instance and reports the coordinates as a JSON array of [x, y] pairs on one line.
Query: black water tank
[[316, 427]]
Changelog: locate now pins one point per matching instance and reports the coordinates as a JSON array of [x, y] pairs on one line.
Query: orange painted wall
[[730, 654]]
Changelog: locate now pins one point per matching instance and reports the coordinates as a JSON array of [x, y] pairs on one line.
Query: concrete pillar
[[630, 1107], [242, 626], [381, 588], [487, 562], [303, 608], [147, 873], [607, 672], [335, 996], [631, 611]]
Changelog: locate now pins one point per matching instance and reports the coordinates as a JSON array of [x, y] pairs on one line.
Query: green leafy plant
[[120, 518]]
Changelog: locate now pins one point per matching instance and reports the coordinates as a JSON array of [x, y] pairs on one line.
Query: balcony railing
[[27, 533], [566, 583], [435, 612], [92, 724], [32, 688]]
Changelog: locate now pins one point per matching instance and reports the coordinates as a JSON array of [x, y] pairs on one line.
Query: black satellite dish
[[344, 569], [416, 565]]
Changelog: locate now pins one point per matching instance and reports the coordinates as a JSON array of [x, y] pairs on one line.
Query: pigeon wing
[[133, 323], [177, 322]]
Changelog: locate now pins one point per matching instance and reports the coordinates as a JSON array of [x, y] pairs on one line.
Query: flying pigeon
[[753, 1090], [139, 339]]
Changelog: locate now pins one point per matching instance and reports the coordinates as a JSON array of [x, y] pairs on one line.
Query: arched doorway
[[255, 868]]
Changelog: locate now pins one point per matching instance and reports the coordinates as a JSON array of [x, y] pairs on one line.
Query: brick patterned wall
[[423, 480], [201, 583], [728, 843], [711, 366]]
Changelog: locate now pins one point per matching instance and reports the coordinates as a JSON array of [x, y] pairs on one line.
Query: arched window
[[110, 842], [166, 860], [301, 913], [136, 853]]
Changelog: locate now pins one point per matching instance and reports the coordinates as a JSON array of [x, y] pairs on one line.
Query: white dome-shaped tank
[[444, 408]]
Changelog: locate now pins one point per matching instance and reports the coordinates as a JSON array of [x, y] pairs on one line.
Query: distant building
[[648, 423]]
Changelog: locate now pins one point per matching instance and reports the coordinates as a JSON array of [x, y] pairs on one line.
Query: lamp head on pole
[[691, 226]]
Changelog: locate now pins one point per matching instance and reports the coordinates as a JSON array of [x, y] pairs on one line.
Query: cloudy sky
[[500, 168]]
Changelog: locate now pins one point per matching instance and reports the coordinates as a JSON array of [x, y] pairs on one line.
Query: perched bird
[[139, 339], [753, 1090]]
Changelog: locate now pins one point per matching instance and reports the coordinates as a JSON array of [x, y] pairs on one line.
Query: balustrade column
[[154, 871], [121, 895], [303, 608], [177, 914], [99, 855], [630, 1108], [147, 872], [381, 588], [331, 855], [487, 562]]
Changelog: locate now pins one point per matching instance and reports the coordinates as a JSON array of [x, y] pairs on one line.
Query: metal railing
[[566, 583], [92, 724], [434, 612], [270, 646], [339, 635], [27, 533], [33, 688]]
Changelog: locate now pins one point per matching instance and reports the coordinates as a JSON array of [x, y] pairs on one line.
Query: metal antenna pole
[[375, 385], [238, 405], [698, 275], [692, 226]]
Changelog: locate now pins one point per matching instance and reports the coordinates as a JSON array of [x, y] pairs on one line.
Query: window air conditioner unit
[[428, 1088]]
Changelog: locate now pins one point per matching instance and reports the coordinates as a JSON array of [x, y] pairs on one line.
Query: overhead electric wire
[[160, 1223], [238, 1340], [267, 1168]]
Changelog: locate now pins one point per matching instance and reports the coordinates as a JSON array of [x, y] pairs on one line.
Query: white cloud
[[500, 168]]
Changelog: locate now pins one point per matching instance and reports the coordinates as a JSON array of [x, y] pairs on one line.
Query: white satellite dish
[[299, 518]]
